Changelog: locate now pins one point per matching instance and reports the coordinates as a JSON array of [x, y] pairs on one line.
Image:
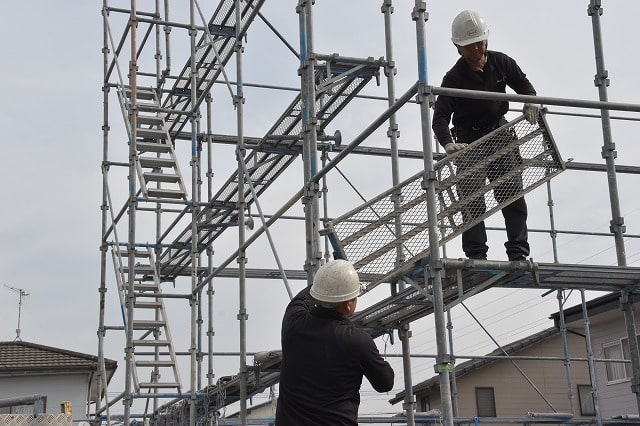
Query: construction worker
[[324, 355], [487, 70]]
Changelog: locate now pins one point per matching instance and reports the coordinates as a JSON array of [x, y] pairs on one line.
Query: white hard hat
[[336, 281], [467, 28]]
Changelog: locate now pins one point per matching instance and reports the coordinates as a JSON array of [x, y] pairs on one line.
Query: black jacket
[[324, 357], [499, 71]]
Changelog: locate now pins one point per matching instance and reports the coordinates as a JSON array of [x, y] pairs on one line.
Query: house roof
[[26, 357], [474, 364]]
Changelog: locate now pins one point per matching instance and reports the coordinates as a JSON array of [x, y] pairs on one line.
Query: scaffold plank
[[411, 304]]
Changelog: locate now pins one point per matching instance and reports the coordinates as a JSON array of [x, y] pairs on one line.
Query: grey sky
[[51, 117]]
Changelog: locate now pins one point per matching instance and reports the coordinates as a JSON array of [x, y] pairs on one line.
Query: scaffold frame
[[186, 218]]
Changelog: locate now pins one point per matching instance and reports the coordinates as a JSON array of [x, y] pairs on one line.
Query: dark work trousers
[[474, 240]]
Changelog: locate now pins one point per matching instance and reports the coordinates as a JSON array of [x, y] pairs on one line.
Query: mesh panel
[[471, 185], [59, 419]]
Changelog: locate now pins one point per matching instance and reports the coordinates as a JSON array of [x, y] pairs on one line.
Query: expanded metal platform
[[415, 301], [472, 185]]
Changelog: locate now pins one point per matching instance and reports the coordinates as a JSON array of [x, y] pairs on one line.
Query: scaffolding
[[167, 209]]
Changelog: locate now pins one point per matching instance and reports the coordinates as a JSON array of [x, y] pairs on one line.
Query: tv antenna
[[22, 294]]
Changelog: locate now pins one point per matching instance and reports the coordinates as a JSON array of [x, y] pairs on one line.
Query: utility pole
[[22, 294]]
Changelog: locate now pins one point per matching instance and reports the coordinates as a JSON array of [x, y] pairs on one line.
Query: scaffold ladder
[[472, 184], [156, 163], [154, 357]]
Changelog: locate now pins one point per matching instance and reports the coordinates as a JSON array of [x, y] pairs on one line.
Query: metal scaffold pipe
[[194, 300], [434, 271], [242, 258], [617, 226], [545, 100], [131, 208], [392, 131], [310, 197], [592, 372]]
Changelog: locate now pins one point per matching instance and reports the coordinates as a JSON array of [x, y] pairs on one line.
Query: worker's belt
[[481, 127], [466, 134]]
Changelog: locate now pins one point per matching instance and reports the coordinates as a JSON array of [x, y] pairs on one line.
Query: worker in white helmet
[[487, 70], [324, 355]]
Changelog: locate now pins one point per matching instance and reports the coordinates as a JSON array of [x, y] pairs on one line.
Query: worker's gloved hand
[[451, 147], [531, 112]]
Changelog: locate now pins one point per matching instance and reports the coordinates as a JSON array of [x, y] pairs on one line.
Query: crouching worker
[[324, 355]]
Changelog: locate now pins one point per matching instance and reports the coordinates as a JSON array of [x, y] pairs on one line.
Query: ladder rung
[[137, 253], [158, 385], [165, 193], [141, 93], [153, 147], [143, 270], [151, 343], [147, 324], [145, 287], [140, 268], [151, 133], [155, 120], [161, 177], [156, 162], [148, 107], [142, 273], [148, 296], [147, 305], [154, 363]]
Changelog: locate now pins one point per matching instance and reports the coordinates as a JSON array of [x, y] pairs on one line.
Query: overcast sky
[[51, 184]]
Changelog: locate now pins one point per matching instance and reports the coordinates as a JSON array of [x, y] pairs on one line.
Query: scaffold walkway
[[214, 49], [516, 158], [212, 399], [460, 283]]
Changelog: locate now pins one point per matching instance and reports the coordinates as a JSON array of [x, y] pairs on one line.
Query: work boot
[[517, 257], [477, 256]]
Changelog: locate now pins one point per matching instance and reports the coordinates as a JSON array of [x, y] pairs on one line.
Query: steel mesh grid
[[223, 16], [387, 314], [374, 229], [263, 166], [471, 185], [223, 13], [247, 7], [56, 419], [332, 99]]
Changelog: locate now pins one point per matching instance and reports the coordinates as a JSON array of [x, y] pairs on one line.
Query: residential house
[[496, 386], [607, 328], [62, 378]]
